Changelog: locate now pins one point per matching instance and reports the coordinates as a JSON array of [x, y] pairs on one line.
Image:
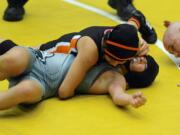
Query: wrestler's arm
[[144, 48], [87, 57], [120, 97]]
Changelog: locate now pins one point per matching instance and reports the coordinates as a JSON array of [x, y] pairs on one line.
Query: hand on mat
[[137, 99]]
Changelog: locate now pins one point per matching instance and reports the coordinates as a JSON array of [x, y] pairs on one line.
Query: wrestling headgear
[[122, 43], [145, 78]]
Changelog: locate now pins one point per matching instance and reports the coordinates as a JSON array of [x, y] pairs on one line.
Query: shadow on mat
[[19, 111]]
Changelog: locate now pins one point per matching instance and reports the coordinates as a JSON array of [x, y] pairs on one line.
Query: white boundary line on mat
[[116, 19]]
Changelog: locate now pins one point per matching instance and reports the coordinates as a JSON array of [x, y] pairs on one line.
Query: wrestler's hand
[[137, 99], [144, 48]]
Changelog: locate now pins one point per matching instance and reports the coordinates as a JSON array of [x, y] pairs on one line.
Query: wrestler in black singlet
[[96, 33]]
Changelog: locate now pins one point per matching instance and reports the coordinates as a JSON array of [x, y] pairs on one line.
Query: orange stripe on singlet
[[66, 48], [61, 49]]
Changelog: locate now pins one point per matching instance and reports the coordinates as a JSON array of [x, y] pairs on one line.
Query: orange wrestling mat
[[94, 115]]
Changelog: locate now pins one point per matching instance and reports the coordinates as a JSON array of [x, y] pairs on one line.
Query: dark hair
[[145, 78]]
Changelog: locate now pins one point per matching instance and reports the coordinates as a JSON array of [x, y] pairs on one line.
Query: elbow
[[64, 94], [116, 100], [120, 101]]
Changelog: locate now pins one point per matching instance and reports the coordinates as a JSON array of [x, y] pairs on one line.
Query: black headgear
[[145, 78], [122, 42]]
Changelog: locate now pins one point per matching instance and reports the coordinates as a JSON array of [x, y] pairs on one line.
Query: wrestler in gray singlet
[[49, 69]]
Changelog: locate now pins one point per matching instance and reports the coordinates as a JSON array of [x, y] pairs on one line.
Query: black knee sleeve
[[6, 46]]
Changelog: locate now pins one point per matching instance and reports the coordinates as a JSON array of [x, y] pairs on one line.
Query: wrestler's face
[[174, 49], [172, 45], [177, 49], [113, 62], [171, 39], [138, 64]]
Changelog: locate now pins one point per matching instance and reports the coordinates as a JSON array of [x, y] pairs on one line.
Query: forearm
[[122, 99], [117, 92], [71, 81], [87, 57], [73, 78]]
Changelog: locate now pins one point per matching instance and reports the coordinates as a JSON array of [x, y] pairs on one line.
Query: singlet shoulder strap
[[91, 77]]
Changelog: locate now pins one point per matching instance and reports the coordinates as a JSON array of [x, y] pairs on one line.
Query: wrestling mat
[[94, 115]]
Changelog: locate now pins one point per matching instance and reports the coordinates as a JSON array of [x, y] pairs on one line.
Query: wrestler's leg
[[6, 45], [14, 62], [27, 91]]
